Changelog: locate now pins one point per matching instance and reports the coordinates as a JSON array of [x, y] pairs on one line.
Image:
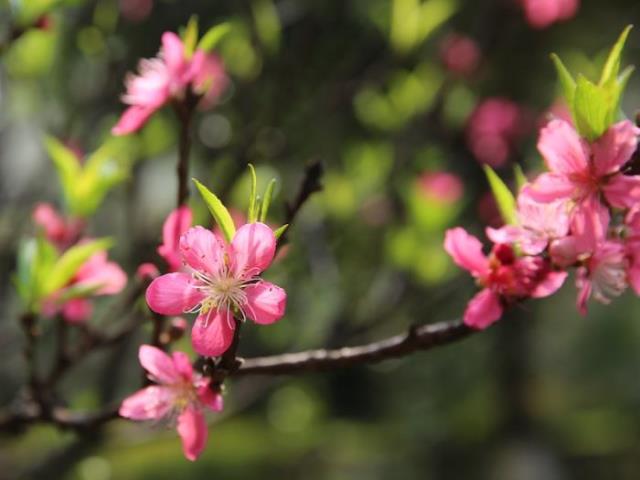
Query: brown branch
[[184, 110], [416, 338], [309, 185]]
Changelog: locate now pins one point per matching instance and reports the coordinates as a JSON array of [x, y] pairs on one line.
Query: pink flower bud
[[460, 54], [147, 272]]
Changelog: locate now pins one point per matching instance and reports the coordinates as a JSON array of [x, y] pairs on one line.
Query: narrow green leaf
[[521, 178], [567, 82], [617, 89], [591, 109], [218, 210], [612, 65], [252, 214], [504, 198], [267, 22], [279, 231], [67, 166], [266, 201], [68, 264], [213, 36], [190, 36]]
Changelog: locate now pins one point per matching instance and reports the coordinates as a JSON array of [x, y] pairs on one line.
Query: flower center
[[223, 292]]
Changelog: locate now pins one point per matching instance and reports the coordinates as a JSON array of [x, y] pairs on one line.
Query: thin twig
[[416, 338], [184, 110]]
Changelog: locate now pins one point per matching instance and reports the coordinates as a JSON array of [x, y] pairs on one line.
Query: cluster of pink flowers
[[544, 13], [583, 213], [167, 78], [494, 129], [97, 275]]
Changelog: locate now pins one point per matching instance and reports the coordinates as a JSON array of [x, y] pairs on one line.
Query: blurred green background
[[360, 85]]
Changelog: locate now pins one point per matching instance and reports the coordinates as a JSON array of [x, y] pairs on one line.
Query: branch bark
[[416, 338]]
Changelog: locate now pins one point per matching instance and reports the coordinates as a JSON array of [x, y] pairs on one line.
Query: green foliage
[[595, 107], [190, 36], [85, 186], [279, 231], [503, 196], [252, 213], [408, 94], [266, 201], [267, 23], [218, 210], [42, 271], [213, 36], [412, 21]]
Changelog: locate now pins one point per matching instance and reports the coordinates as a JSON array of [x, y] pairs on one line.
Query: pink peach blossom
[[441, 186], [180, 394], [543, 13], [493, 129], [603, 275], [580, 172], [505, 277], [223, 281], [97, 276], [167, 77], [460, 54], [58, 230], [538, 224]]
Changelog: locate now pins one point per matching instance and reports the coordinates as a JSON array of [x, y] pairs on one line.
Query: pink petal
[[212, 333], [466, 251], [614, 148], [78, 310], [549, 187], [192, 429], [549, 285], [563, 149], [266, 302], [202, 250], [212, 400], [182, 365], [590, 223], [173, 294], [159, 365], [177, 222], [623, 191], [483, 310], [506, 234], [54, 226], [252, 249], [173, 53], [584, 290], [132, 119], [548, 219], [99, 272], [150, 403]]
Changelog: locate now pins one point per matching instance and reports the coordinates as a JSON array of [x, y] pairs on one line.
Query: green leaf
[[504, 198], [279, 231], [592, 109], [68, 264], [190, 36], [252, 214], [521, 178], [612, 65], [616, 92], [266, 201], [218, 210], [213, 36], [67, 166], [267, 22], [567, 82]]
